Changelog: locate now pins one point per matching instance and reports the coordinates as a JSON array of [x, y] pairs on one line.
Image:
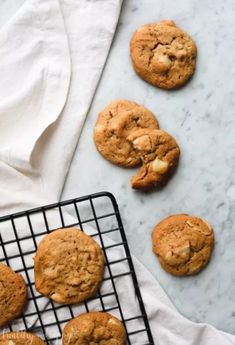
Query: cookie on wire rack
[[94, 328], [68, 266], [13, 294]]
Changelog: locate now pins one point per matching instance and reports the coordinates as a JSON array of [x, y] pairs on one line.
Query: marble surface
[[201, 117]]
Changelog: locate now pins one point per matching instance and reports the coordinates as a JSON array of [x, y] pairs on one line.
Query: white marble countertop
[[201, 117]]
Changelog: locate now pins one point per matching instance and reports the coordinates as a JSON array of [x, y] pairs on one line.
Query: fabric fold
[[167, 324], [35, 75]]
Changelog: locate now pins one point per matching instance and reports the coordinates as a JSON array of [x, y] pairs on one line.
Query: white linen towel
[[52, 55]]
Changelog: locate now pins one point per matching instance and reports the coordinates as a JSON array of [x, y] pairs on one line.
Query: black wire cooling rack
[[20, 234]]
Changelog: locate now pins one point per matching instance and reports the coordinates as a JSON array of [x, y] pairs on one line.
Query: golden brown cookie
[[20, 338], [13, 294], [68, 266], [163, 55], [118, 120], [94, 328], [183, 244], [159, 153]]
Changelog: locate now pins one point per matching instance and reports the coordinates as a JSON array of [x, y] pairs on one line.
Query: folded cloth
[[52, 56], [42, 109], [168, 326]]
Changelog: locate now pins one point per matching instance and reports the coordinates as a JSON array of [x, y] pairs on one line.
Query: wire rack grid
[[20, 234]]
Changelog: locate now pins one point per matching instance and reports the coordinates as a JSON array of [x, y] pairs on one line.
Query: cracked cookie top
[[159, 153], [94, 328], [13, 294], [118, 120], [68, 266], [183, 244], [20, 338], [163, 55]]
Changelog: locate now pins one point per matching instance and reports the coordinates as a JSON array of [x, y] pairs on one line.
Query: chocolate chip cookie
[[118, 120], [20, 338], [163, 55], [159, 153], [69, 266], [13, 294], [183, 244], [94, 328]]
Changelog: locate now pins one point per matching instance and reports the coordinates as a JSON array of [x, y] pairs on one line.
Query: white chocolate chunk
[[159, 166], [57, 297], [183, 251], [178, 254], [164, 60], [142, 143], [161, 63], [113, 321]]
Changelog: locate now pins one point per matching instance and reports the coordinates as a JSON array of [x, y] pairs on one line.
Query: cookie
[[13, 294], [68, 266], [118, 120], [183, 244], [94, 328], [163, 55], [20, 338], [159, 153]]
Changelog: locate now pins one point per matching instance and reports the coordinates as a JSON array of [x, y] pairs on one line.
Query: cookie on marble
[[159, 153], [183, 244], [118, 120], [94, 328], [13, 294], [20, 338], [163, 55], [68, 266]]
